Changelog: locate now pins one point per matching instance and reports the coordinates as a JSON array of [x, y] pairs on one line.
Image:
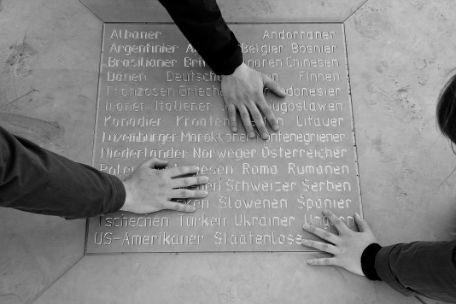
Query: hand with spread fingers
[[346, 247], [243, 92], [152, 187]]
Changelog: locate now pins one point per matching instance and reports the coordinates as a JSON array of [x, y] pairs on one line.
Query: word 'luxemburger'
[[228, 137]]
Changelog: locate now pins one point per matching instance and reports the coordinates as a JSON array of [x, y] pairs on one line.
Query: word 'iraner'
[[158, 105]]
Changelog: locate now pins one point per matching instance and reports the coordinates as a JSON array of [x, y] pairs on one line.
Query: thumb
[[362, 224], [273, 86], [155, 163]]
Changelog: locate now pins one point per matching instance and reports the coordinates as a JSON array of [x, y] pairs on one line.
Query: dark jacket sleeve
[[202, 24], [36, 180], [425, 268]]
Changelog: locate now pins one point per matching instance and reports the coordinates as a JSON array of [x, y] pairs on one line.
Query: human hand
[[151, 187], [346, 248], [243, 91]]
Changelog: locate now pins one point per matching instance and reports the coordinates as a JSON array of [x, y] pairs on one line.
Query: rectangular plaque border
[[273, 22]]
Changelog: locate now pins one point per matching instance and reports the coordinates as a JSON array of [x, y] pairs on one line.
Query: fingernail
[[305, 226], [275, 126], [204, 193], [204, 179], [196, 168], [265, 136], [357, 215], [252, 134], [234, 129]]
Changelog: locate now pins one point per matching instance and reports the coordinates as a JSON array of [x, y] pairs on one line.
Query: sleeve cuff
[[368, 261], [118, 195], [232, 58]]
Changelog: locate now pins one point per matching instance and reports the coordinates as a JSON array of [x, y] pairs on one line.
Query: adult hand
[[151, 187], [346, 248], [243, 91]]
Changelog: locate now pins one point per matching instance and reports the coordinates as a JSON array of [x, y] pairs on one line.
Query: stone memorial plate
[[157, 98]]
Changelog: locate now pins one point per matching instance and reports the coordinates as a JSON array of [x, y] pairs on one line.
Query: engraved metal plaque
[[157, 98]]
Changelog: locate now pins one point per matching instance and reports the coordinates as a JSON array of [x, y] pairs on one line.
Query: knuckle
[[326, 234], [184, 193], [258, 118], [159, 173], [187, 182], [245, 116]]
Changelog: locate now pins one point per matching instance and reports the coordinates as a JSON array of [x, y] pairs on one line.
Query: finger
[[337, 222], [179, 207], [245, 117], [155, 163], [189, 181], [361, 223], [180, 171], [186, 193], [268, 113], [321, 233], [321, 246], [322, 262], [232, 117], [259, 122], [273, 86]]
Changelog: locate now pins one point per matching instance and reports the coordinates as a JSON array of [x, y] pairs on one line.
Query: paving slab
[[399, 55], [398, 64], [49, 54], [212, 278], [232, 11], [260, 191]]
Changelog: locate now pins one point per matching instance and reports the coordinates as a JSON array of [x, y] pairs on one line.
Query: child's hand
[[346, 248]]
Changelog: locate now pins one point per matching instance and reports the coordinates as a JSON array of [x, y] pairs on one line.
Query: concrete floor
[[400, 53]]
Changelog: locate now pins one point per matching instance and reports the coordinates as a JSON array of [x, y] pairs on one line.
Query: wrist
[[127, 202], [368, 261], [240, 69]]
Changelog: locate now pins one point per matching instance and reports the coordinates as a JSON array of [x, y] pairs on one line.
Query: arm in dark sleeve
[[36, 180], [426, 268], [202, 24]]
